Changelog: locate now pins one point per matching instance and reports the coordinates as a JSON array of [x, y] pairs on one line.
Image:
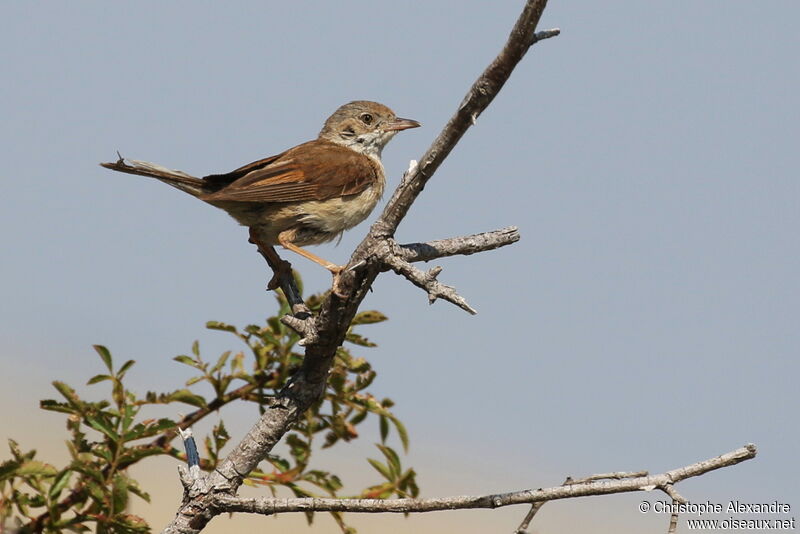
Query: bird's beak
[[400, 124]]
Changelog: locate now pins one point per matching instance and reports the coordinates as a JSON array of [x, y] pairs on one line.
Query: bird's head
[[364, 126]]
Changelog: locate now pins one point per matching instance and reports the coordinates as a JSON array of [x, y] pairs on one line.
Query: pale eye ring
[[366, 118]]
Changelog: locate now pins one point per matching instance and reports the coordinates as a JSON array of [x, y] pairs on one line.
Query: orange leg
[[336, 270], [287, 244]]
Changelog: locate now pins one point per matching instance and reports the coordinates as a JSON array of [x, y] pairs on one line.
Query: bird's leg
[[279, 265], [335, 270]]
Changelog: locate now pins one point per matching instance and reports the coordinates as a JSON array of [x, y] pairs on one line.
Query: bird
[[307, 195]]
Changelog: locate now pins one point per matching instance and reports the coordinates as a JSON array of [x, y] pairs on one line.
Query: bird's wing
[[317, 170]]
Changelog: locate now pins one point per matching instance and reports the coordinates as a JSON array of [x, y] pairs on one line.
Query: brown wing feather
[[215, 182], [317, 170]]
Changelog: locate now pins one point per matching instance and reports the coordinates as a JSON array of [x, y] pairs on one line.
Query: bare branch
[[673, 520], [269, 506], [606, 476], [670, 490], [427, 281], [535, 507], [454, 246]]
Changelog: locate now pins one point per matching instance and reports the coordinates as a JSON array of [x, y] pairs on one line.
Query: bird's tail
[[181, 180]]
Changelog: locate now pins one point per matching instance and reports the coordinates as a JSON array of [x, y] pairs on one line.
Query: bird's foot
[[336, 271], [281, 268]]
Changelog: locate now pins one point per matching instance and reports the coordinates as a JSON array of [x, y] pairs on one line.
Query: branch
[[535, 507], [398, 258], [454, 246], [593, 486], [427, 281], [325, 332]]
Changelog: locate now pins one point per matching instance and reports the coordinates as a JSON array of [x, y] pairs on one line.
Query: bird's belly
[[310, 222], [334, 216]]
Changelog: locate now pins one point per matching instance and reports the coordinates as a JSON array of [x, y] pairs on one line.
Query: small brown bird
[[307, 195]]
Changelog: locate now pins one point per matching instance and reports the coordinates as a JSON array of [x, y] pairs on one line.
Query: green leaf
[[401, 431], [125, 366], [36, 468], [134, 488], [128, 524], [98, 378], [369, 317], [101, 424], [186, 396], [280, 463], [359, 340], [237, 363], [195, 380], [188, 360], [55, 406], [392, 457], [119, 493], [216, 325], [97, 492], [60, 482], [384, 424], [127, 416], [149, 428], [381, 468], [67, 392], [105, 355], [88, 469], [220, 362], [8, 469], [134, 454]]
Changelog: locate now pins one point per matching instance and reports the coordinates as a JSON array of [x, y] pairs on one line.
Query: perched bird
[[306, 195]]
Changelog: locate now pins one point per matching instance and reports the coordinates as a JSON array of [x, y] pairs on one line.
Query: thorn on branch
[[425, 280], [544, 34]]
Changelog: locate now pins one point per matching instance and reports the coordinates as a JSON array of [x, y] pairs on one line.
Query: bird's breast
[[336, 215]]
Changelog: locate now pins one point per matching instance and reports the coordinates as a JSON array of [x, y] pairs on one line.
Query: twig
[[606, 476], [427, 281], [269, 506], [465, 245], [398, 258], [673, 519], [535, 507]]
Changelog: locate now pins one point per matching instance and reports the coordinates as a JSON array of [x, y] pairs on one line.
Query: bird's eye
[[366, 118], [348, 132]]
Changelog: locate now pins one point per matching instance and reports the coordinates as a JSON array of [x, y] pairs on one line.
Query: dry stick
[[337, 311], [464, 246], [269, 506], [535, 507], [673, 519]]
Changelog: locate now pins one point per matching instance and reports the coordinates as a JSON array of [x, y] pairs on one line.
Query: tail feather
[[179, 179]]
